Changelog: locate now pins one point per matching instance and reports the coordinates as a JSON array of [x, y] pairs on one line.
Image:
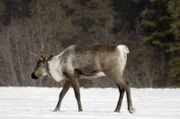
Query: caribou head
[[42, 68]]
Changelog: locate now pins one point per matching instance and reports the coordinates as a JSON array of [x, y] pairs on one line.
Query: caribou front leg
[[75, 85], [62, 94]]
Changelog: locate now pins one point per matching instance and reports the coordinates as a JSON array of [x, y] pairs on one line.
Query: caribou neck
[[55, 68]]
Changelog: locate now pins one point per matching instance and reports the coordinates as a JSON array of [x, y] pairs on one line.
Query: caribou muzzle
[[34, 76]]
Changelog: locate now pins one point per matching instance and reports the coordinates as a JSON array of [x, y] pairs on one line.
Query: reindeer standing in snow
[[77, 62]]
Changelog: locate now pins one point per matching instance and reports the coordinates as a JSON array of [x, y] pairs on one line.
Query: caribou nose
[[33, 76]]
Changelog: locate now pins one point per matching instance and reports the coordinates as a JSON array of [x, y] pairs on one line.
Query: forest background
[[150, 28]]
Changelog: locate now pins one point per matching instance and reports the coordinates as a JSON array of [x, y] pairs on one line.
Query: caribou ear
[[50, 57]]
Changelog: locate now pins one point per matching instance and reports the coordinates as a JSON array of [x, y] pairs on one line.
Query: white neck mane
[[55, 68]]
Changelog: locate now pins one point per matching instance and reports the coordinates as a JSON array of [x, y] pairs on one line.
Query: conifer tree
[[155, 23], [174, 45], [160, 22]]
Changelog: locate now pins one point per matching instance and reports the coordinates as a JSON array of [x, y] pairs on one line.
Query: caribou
[[82, 62]]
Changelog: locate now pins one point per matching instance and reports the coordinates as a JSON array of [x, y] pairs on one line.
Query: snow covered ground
[[38, 103]]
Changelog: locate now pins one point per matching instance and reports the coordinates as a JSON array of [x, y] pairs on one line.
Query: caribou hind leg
[[121, 94], [125, 85], [62, 94]]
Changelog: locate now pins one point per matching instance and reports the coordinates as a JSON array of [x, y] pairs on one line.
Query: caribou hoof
[[81, 110], [56, 110], [132, 110], [117, 110]]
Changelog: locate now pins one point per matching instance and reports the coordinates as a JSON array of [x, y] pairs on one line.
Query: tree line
[[150, 28]]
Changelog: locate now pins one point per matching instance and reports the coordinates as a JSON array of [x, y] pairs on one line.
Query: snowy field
[[38, 103]]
